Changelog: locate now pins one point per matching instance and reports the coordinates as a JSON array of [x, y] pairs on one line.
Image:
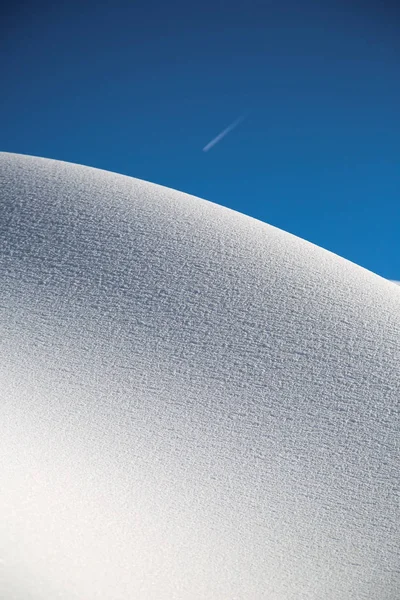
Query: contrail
[[223, 133]]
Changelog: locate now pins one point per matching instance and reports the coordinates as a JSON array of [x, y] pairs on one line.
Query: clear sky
[[141, 88]]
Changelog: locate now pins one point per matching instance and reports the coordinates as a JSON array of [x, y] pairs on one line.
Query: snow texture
[[194, 405]]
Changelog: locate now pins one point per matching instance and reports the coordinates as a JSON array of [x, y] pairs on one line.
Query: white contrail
[[223, 133]]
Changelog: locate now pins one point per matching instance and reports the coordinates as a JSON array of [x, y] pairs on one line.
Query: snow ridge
[[194, 405]]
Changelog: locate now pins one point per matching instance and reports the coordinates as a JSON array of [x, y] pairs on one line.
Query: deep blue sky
[[141, 88]]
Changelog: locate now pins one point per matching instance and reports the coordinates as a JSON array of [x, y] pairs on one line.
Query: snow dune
[[194, 405]]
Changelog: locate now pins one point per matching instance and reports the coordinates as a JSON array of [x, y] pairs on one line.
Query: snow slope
[[194, 405]]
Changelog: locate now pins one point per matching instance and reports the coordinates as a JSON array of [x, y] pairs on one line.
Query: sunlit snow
[[194, 405]]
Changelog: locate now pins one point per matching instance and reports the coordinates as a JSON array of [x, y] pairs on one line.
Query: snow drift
[[194, 405]]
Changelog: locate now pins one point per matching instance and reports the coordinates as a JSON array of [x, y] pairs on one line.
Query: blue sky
[[141, 89]]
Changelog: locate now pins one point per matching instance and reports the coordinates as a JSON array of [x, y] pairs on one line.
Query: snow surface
[[194, 405]]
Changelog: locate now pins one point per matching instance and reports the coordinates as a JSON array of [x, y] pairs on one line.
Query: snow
[[194, 405]]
